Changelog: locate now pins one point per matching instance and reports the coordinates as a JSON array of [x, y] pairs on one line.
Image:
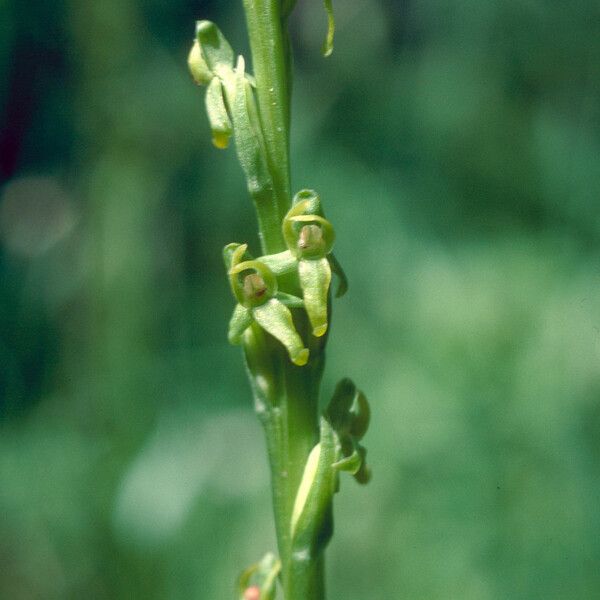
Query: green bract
[[345, 422], [249, 143]]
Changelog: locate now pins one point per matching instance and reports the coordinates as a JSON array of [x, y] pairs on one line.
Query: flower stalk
[[283, 311]]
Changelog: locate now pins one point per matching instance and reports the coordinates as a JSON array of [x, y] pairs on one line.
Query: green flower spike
[[310, 237], [255, 288]]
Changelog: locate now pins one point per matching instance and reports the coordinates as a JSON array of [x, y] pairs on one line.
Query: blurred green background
[[456, 145]]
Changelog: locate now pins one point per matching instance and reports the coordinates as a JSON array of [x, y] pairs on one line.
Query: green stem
[[306, 580], [289, 412], [270, 60], [290, 422], [286, 399], [269, 224], [302, 575]]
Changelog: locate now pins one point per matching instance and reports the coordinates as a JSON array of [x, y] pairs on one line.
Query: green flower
[[230, 103], [309, 237], [211, 63], [255, 288]]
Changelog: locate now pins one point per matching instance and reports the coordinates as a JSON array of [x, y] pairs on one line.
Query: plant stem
[[286, 399], [302, 575], [286, 395], [291, 432], [268, 43]]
